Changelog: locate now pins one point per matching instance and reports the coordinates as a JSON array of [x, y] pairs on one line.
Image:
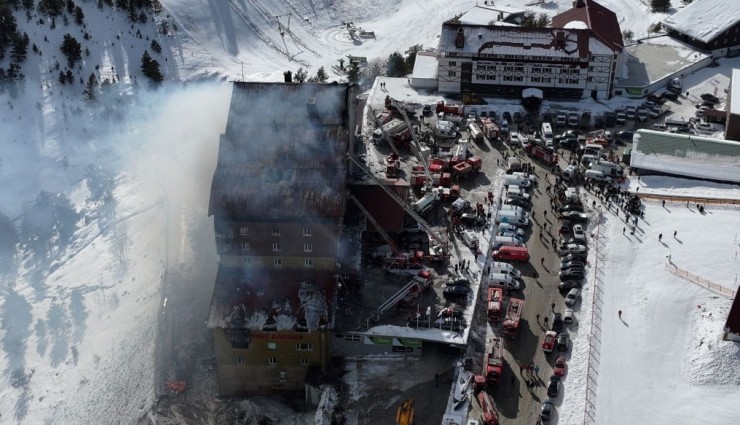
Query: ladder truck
[[399, 260], [493, 363], [439, 251], [513, 317]]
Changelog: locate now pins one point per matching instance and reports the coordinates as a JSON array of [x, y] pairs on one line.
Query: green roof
[[687, 155]]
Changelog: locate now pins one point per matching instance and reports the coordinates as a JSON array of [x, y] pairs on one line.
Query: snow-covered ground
[[91, 190]]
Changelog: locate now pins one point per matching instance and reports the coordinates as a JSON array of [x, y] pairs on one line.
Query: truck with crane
[[493, 362], [513, 317], [488, 415], [495, 304], [439, 246]]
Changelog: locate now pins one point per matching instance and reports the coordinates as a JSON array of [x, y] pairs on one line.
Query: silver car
[[572, 297]]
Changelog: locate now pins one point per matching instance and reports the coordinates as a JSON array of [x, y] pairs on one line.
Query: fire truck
[[493, 363], [542, 154], [488, 415], [448, 109], [513, 317], [495, 304]]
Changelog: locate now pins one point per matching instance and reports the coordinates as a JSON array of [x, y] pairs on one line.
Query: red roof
[[733, 317], [600, 20]]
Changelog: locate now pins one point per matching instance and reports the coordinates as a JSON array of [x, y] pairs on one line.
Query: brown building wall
[[247, 261], [294, 239], [732, 127], [273, 362]]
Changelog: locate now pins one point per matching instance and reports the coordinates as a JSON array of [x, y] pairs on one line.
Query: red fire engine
[[513, 316], [488, 411], [495, 304], [494, 363], [543, 154]]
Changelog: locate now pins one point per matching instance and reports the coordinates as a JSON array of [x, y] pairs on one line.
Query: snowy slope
[[105, 197]]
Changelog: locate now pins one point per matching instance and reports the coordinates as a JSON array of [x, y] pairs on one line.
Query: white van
[[505, 268], [515, 191], [592, 149], [588, 159], [597, 176], [503, 281], [515, 208], [547, 134], [531, 177], [511, 217], [470, 239], [507, 241], [510, 179]]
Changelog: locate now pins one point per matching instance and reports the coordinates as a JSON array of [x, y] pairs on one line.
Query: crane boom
[[430, 179], [388, 240], [385, 136], [419, 219]]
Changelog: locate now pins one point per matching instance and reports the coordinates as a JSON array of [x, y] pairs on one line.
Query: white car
[[571, 248], [510, 228], [579, 233], [515, 141], [572, 296], [569, 172], [568, 316]]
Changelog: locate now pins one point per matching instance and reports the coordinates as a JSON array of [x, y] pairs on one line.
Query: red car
[[549, 341], [560, 365]]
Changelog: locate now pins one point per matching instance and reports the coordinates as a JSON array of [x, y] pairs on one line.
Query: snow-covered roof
[[704, 20], [734, 104], [515, 41], [425, 66], [687, 155], [578, 25], [485, 14]]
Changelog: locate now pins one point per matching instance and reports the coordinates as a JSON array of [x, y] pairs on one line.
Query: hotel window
[[272, 345], [308, 262], [305, 361], [240, 359], [453, 63], [275, 231], [306, 231], [247, 261], [508, 70], [304, 346], [277, 261], [272, 361], [276, 246], [307, 247], [245, 246], [244, 231], [452, 74]]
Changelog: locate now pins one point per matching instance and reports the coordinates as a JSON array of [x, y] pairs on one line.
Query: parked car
[[625, 135], [631, 112], [572, 274], [569, 316], [560, 366], [571, 248], [548, 341], [570, 207], [656, 99], [563, 341], [572, 296], [418, 321], [565, 265], [566, 286], [705, 105], [456, 292], [507, 116], [506, 227], [575, 216], [709, 97], [578, 233], [557, 323], [575, 256], [454, 324], [517, 117], [670, 95], [548, 408], [427, 111], [552, 387], [458, 282], [519, 202]]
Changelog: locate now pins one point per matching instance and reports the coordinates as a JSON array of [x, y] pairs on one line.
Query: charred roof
[[258, 299], [283, 152]]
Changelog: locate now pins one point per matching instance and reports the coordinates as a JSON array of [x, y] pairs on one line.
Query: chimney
[[579, 3], [288, 76], [460, 39]]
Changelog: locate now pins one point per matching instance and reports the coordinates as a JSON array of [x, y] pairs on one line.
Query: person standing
[[553, 306], [660, 236], [675, 232], [620, 314]]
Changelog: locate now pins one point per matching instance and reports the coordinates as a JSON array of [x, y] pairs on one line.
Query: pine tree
[[321, 76], [91, 88], [300, 76], [62, 78], [79, 16], [155, 46], [150, 68], [660, 5], [72, 49], [20, 47], [396, 65]]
